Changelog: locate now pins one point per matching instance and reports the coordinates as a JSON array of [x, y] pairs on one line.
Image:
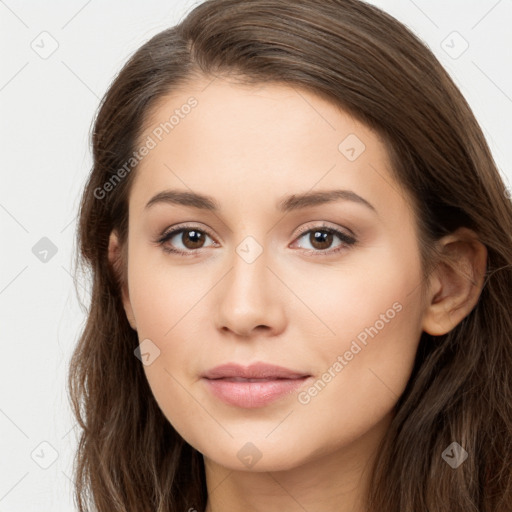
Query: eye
[[191, 239], [321, 239]]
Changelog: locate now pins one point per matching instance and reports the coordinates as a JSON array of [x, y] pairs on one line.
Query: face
[[300, 271]]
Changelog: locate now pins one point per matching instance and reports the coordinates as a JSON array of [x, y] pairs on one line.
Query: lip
[[252, 386], [253, 371]]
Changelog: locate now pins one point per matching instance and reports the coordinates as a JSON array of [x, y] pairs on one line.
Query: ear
[[456, 282], [116, 260]]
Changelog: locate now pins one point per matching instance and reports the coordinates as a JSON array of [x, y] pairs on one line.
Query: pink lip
[[235, 384]]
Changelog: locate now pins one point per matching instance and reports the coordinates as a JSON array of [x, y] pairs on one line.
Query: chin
[[258, 456]]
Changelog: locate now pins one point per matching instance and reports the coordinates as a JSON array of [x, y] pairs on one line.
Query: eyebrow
[[286, 204]]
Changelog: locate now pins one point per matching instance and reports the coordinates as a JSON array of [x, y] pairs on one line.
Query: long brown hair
[[129, 457]]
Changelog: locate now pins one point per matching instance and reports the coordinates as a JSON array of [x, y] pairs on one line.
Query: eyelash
[[347, 240]]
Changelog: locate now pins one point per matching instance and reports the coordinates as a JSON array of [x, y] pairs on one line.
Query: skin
[[248, 147]]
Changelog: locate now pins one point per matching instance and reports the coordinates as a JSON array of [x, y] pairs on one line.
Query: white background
[[47, 107]]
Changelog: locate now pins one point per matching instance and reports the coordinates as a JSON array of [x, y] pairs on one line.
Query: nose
[[250, 299]]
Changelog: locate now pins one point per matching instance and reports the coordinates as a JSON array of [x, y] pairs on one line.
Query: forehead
[[215, 135]]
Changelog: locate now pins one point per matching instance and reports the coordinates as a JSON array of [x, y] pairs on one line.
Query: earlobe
[[456, 282], [115, 258]]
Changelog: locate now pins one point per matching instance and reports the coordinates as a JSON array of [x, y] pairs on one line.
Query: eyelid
[[302, 230], [182, 227], [326, 225]]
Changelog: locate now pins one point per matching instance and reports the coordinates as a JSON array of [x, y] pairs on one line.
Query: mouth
[[253, 386], [258, 371], [242, 379]]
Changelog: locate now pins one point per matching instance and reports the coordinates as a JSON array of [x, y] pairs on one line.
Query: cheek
[[163, 297], [363, 370], [372, 300], [375, 312], [169, 312]]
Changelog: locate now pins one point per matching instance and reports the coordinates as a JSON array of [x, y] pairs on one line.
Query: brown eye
[[320, 239], [192, 238], [184, 241]]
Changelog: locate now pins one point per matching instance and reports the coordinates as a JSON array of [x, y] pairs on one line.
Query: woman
[[301, 248]]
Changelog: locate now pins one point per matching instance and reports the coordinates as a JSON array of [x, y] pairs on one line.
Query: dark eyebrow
[[297, 201], [288, 203], [184, 198]]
